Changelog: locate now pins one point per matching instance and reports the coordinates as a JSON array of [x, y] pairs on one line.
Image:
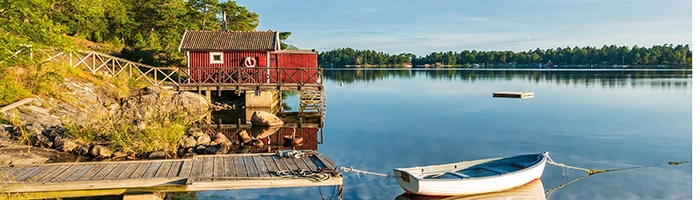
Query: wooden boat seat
[[459, 174], [525, 165], [499, 171], [450, 175]]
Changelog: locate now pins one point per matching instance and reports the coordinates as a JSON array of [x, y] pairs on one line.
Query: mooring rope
[[337, 192], [305, 174], [597, 171], [351, 169]]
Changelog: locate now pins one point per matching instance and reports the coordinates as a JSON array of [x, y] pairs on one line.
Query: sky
[[423, 27]]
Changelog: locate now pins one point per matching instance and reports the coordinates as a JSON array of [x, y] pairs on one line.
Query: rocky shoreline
[[42, 122]]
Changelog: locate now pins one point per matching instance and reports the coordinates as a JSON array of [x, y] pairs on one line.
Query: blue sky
[[422, 27]]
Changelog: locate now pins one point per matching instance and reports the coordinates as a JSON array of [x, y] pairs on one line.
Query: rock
[[52, 133], [83, 150], [182, 152], [99, 151], [200, 149], [5, 130], [212, 149], [221, 139], [64, 144], [262, 118], [187, 142], [119, 153], [40, 140], [203, 140], [34, 129], [223, 149], [158, 155], [195, 132]]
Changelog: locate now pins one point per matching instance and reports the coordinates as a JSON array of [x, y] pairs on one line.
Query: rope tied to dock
[[316, 176], [351, 169], [291, 154]]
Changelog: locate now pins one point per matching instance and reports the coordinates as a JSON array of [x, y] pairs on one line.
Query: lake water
[[377, 120]]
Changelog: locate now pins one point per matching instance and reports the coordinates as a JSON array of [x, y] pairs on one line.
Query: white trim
[[267, 60], [213, 61], [179, 48], [189, 70], [278, 46]]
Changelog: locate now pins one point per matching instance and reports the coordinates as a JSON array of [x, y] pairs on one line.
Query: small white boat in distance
[[472, 177]]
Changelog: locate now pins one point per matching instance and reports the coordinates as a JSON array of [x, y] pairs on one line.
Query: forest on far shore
[[667, 55]]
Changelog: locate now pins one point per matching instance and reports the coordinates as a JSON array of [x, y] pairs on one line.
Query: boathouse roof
[[229, 41]]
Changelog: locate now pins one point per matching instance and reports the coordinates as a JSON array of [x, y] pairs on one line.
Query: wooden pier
[[514, 94], [202, 172]]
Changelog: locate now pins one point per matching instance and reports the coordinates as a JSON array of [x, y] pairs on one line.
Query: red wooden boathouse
[[252, 57]]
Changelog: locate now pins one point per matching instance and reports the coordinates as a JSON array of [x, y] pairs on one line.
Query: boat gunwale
[[540, 161]]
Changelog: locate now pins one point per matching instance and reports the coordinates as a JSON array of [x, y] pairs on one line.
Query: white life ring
[[249, 62]]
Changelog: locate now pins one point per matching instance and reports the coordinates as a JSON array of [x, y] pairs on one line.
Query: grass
[[22, 135], [44, 79], [161, 133]]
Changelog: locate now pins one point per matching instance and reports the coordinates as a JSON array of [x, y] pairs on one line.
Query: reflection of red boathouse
[[252, 57], [311, 137]]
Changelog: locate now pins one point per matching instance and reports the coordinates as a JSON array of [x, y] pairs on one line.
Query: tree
[[206, 12], [284, 36], [238, 18], [24, 24]]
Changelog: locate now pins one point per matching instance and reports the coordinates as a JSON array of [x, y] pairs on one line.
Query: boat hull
[[411, 180], [530, 191]]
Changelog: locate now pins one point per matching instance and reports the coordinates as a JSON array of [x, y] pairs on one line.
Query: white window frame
[[213, 61]]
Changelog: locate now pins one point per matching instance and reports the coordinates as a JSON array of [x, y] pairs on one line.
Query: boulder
[[204, 140], [212, 149], [99, 151], [262, 118], [119, 154], [195, 132], [40, 140], [223, 149], [221, 139], [5, 130], [200, 149], [188, 142], [158, 155], [83, 150], [64, 144]]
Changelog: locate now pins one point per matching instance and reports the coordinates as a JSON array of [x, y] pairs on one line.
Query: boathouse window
[[216, 57]]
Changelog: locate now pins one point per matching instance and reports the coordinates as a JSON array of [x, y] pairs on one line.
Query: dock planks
[[202, 172]]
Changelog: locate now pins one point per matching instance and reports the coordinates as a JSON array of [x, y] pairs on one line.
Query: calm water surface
[[378, 120]]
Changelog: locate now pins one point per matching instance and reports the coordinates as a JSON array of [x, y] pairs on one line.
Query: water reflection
[[604, 77], [301, 131]]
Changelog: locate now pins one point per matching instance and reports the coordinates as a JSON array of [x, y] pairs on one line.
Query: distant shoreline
[[529, 67]]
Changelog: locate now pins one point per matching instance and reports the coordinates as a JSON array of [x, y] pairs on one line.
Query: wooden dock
[[514, 94], [202, 172]]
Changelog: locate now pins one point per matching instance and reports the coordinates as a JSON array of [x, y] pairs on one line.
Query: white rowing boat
[[530, 191], [472, 177]]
